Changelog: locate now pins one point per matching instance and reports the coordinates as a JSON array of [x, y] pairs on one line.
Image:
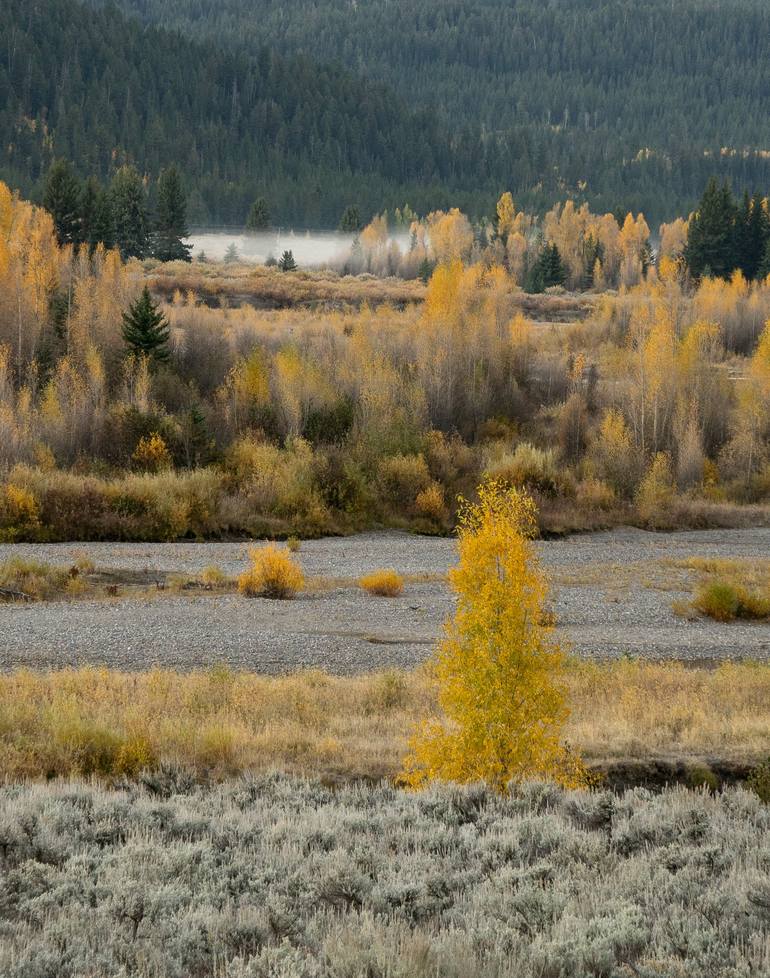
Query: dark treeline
[[612, 101], [726, 234], [121, 215], [91, 87]]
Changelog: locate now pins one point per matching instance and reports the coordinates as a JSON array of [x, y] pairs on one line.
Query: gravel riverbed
[[612, 596]]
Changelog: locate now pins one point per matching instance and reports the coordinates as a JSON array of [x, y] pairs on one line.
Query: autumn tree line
[[572, 247], [123, 416]]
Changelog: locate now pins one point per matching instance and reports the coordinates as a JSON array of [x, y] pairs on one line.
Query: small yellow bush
[[21, 506], [273, 574], [430, 503], [152, 454], [385, 583]]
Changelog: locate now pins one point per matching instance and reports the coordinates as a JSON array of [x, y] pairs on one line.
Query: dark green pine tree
[[286, 262], [711, 238], [259, 216], [764, 266], [89, 204], [102, 230], [171, 218], [145, 329], [351, 223], [756, 238], [547, 271], [62, 198], [129, 213]]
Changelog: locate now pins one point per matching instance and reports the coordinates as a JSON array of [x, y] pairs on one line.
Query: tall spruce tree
[[145, 329], [259, 216], [62, 199], [350, 222], [547, 271], [711, 238], [128, 201], [171, 218]]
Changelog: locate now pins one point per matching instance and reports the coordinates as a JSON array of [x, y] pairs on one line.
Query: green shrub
[[526, 466], [723, 601]]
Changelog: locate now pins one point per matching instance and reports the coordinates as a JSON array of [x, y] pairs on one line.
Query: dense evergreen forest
[[315, 107], [612, 101], [91, 87]]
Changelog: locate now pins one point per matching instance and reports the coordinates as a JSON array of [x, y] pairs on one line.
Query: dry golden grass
[[383, 583], [219, 722], [259, 285]]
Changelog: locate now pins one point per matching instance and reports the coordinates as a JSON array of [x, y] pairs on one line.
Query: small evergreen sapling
[[145, 329]]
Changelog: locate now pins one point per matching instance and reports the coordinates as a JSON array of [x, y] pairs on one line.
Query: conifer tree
[[145, 329], [171, 219], [547, 271], [351, 222], [128, 201], [231, 254], [62, 199], [764, 267], [102, 230], [287, 263], [259, 216], [711, 237]]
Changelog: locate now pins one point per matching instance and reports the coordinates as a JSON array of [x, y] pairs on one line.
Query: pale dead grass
[[219, 722]]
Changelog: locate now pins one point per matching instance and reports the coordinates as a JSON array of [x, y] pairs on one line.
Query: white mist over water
[[308, 247]]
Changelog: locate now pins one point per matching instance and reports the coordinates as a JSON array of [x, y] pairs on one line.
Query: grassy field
[[220, 723], [274, 877]]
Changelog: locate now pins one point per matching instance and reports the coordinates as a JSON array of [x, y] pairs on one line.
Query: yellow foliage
[[384, 583], [430, 503], [273, 574], [152, 454], [21, 506], [506, 213], [656, 492], [498, 673]]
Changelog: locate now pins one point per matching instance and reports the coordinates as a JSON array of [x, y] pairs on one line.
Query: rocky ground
[[612, 596]]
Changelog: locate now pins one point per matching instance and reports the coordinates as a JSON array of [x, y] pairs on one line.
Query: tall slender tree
[[62, 200], [129, 211], [171, 219]]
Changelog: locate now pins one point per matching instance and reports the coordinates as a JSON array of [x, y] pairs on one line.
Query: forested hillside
[[94, 88], [620, 102]]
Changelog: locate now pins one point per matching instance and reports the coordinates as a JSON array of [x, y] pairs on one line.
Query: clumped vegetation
[[726, 602], [30, 580], [219, 722], [384, 583], [727, 590], [276, 877], [273, 574], [650, 405]]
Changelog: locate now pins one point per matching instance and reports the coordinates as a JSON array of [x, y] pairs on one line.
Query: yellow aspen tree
[[498, 673], [450, 234], [506, 214]]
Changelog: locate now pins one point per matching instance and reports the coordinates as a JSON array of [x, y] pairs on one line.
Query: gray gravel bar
[[612, 597]]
